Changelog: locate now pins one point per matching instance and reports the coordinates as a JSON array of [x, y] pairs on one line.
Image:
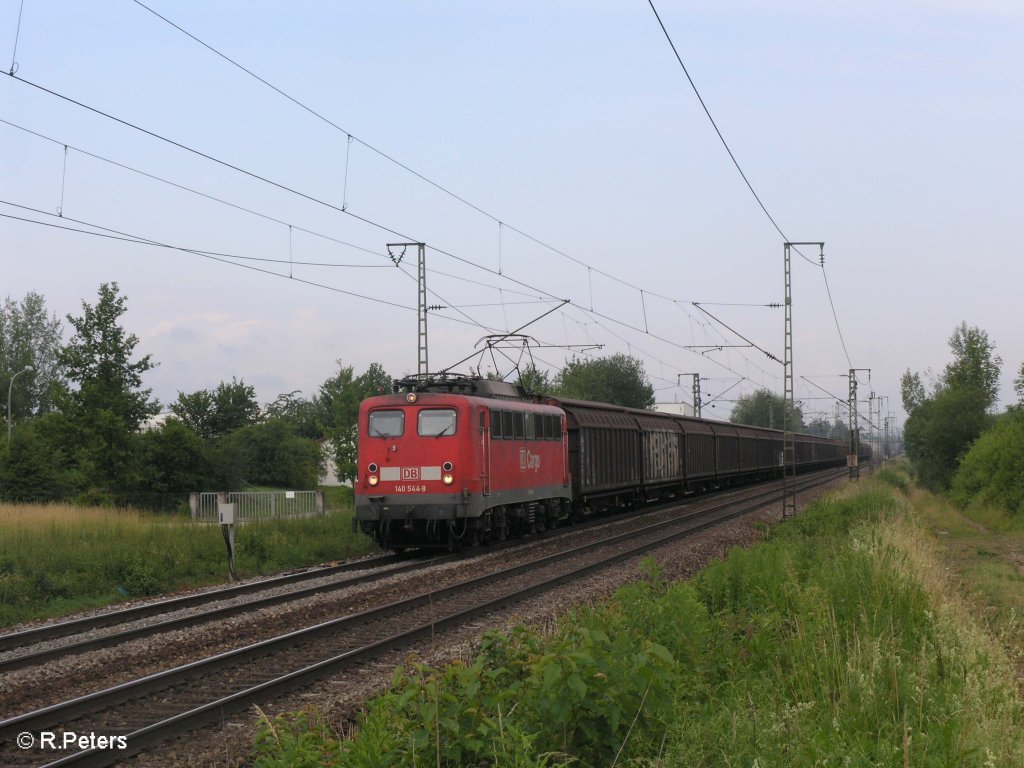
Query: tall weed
[[59, 558]]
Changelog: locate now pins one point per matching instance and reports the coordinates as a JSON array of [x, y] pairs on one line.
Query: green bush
[[589, 696], [992, 471]]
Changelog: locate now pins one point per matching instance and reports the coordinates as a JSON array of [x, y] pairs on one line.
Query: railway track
[[49, 642], [155, 707], [37, 645]]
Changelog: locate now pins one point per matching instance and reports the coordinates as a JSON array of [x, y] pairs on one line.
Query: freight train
[[447, 461]]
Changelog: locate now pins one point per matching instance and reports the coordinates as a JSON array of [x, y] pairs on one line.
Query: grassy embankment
[[56, 559], [843, 640]]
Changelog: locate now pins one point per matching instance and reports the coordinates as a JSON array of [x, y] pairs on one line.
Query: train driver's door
[[485, 453]]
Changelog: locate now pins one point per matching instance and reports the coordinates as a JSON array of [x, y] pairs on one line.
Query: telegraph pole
[[422, 367], [788, 439]]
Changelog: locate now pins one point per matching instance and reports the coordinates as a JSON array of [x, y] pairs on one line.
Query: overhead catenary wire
[[225, 258], [308, 197], [112, 234], [17, 36], [319, 201], [501, 222], [718, 131], [191, 190], [837, 399], [746, 181], [263, 179], [262, 215], [351, 137], [344, 206]]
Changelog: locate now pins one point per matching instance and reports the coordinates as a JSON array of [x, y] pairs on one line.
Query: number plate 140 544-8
[[410, 489]]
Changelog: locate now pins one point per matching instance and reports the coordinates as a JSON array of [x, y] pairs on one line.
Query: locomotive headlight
[[372, 480], [447, 480]]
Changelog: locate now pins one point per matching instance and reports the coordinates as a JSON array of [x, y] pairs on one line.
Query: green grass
[[983, 550], [56, 559], [839, 641]]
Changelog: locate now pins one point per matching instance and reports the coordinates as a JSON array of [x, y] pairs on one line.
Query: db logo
[[410, 473], [528, 461]]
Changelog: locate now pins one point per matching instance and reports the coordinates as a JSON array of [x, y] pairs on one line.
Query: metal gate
[[251, 506]]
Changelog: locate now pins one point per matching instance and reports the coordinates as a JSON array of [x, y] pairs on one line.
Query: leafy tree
[[215, 413], [276, 456], [108, 405], [536, 381], [36, 468], [338, 401], [195, 411], [305, 415], [912, 391], [819, 427], [975, 366], [619, 379], [174, 460], [941, 425], [940, 430], [840, 431], [764, 408], [29, 336], [1018, 386]]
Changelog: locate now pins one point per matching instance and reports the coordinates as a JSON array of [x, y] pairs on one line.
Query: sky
[[543, 150]]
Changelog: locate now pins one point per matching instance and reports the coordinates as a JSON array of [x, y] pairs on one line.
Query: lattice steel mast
[[789, 409], [852, 458], [422, 366], [696, 391]]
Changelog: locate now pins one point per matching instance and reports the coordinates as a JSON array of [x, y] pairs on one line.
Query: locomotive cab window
[[436, 422], [386, 423]]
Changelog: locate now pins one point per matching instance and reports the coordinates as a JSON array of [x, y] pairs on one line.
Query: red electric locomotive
[[445, 461]]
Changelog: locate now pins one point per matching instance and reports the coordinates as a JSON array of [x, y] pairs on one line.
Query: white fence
[[258, 505]]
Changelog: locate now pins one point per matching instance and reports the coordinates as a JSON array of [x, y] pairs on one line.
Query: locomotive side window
[[517, 426], [436, 422], [496, 432], [529, 424], [386, 423]]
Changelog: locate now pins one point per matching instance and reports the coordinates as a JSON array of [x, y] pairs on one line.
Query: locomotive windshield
[[436, 422], [387, 423]]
